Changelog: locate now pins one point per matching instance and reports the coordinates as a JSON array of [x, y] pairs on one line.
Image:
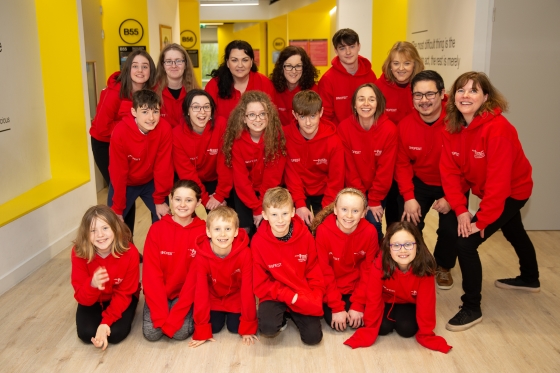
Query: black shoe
[[518, 283], [464, 319]]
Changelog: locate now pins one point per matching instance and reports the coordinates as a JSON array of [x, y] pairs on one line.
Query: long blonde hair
[[408, 50], [189, 80], [329, 209]]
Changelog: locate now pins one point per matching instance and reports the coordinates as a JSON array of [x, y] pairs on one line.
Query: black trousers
[[513, 230], [392, 205], [328, 311], [314, 203], [88, 319], [219, 318], [271, 318], [445, 251], [400, 317]]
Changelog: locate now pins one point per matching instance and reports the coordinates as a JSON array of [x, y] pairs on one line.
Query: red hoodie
[[337, 87], [402, 288], [398, 99], [314, 167], [224, 284], [489, 156], [283, 269], [110, 110], [124, 276], [200, 158], [172, 108], [369, 156], [136, 159], [251, 173], [283, 102], [224, 107], [169, 252], [346, 262]]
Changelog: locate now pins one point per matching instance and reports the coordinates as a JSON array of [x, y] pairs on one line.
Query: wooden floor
[[520, 331]]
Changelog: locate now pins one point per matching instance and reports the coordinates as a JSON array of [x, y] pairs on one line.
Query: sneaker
[[444, 280], [284, 326], [518, 283], [463, 320]]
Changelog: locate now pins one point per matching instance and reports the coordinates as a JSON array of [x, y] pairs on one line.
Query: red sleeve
[[225, 178], [333, 297], [122, 293], [327, 95], [203, 328], [351, 175], [403, 169], [426, 316], [335, 180], [293, 182], [153, 280], [359, 296], [118, 170], [163, 166], [182, 163], [273, 172], [248, 320], [451, 177], [384, 169], [107, 114], [179, 311], [84, 293], [242, 180]]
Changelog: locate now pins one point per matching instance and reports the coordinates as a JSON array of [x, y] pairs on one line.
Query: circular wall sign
[[279, 44], [131, 31], [188, 39]]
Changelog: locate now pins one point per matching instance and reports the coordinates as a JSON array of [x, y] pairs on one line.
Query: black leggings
[[271, 319], [88, 319], [219, 318], [403, 319]]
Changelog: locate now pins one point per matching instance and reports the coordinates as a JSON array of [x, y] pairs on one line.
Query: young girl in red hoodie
[[346, 245], [105, 277], [401, 293], [224, 286], [168, 274], [197, 149], [255, 149]]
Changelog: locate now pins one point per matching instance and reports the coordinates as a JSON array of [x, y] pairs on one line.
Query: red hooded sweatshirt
[[110, 110], [224, 107], [224, 284], [346, 262], [398, 99], [370, 156], [283, 102], [199, 157], [251, 173], [402, 288], [337, 87], [488, 156], [124, 276], [172, 108], [314, 167], [168, 273], [283, 269], [136, 159]]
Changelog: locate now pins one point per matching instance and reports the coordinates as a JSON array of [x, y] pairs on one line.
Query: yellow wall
[[277, 28], [189, 19], [254, 35], [389, 22], [225, 35]]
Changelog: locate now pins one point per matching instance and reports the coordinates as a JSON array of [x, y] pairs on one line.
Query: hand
[[212, 203], [120, 218], [377, 212], [100, 277], [305, 214], [194, 344], [339, 321], [464, 224], [161, 210], [475, 229], [249, 339], [441, 206], [412, 211], [100, 339], [294, 299], [257, 220], [355, 319], [224, 203]]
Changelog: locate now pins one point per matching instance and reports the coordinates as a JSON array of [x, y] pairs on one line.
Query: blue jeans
[[145, 192]]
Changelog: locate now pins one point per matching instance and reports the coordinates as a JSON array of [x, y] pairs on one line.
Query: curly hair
[[274, 140], [329, 209], [223, 74], [187, 104], [189, 80], [423, 264], [454, 118], [309, 73], [126, 80], [408, 50]]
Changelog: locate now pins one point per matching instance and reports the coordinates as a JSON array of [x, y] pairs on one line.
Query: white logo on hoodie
[[479, 154], [301, 257], [193, 252]]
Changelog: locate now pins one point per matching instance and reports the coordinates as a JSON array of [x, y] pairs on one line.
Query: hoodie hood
[[113, 83], [482, 119], [325, 130], [299, 230], [364, 67], [240, 242]]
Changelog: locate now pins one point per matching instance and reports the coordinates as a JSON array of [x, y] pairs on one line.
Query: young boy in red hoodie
[[140, 158], [349, 71], [224, 286], [315, 167], [286, 272]]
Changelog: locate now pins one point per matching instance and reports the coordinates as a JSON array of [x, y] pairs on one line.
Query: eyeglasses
[[429, 95], [176, 62], [298, 67], [197, 108], [253, 116], [398, 246]]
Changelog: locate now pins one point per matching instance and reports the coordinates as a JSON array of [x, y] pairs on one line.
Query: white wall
[[264, 11], [162, 12], [356, 15]]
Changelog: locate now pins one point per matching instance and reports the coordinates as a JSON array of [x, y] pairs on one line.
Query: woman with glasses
[[292, 73], [174, 78], [197, 145], [237, 74], [482, 148]]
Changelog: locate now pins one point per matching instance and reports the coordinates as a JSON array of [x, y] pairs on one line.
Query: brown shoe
[[444, 280]]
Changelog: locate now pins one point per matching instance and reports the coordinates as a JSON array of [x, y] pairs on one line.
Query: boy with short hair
[[286, 272], [224, 285], [140, 158], [349, 71], [315, 167]]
